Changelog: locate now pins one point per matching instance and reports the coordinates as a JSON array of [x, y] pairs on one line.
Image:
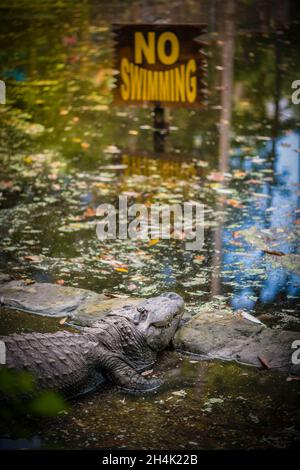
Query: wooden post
[[160, 128]]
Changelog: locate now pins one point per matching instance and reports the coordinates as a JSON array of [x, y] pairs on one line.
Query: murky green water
[[201, 405], [65, 149], [217, 406]]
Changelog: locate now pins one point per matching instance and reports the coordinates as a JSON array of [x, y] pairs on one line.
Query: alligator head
[[156, 319]]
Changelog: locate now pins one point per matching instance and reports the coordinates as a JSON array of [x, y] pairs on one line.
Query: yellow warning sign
[[160, 63]]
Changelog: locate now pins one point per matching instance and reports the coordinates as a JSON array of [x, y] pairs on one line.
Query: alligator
[[117, 347]]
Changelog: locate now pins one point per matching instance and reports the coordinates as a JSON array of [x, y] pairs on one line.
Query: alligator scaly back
[[59, 361], [121, 345]]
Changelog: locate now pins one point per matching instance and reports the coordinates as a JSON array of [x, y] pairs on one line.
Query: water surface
[[65, 149]]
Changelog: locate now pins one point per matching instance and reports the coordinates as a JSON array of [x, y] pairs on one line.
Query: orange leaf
[[60, 282], [121, 270], [84, 145], [34, 258], [199, 258], [234, 203], [239, 174], [153, 242], [89, 212], [236, 234]]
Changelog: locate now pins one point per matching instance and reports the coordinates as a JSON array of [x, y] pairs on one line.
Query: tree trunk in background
[[227, 38]]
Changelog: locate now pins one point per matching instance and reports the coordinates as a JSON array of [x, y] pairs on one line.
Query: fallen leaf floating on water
[[202, 163], [89, 212], [63, 320], [253, 181], [153, 242], [264, 362], [85, 145], [234, 203], [60, 282], [236, 234], [274, 253], [215, 176], [180, 393], [199, 258], [121, 270], [261, 195], [112, 149], [112, 262], [33, 258], [79, 423], [239, 174], [113, 167], [147, 372], [249, 317], [130, 193], [290, 378], [76, 140]]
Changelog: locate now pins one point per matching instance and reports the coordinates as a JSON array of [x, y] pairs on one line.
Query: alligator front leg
[[127, 378]]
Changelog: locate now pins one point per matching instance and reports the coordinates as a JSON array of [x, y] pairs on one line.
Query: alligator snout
[[177, 299]]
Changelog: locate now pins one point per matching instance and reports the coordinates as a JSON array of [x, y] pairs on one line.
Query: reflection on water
[[274, 213], [167, 166], [218, 405], [66, 149]]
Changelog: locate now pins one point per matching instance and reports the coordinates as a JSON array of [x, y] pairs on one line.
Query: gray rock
[[84, 307], [232, 338]]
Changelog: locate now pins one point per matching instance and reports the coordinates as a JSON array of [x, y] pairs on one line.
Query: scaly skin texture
[[118, 346]]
